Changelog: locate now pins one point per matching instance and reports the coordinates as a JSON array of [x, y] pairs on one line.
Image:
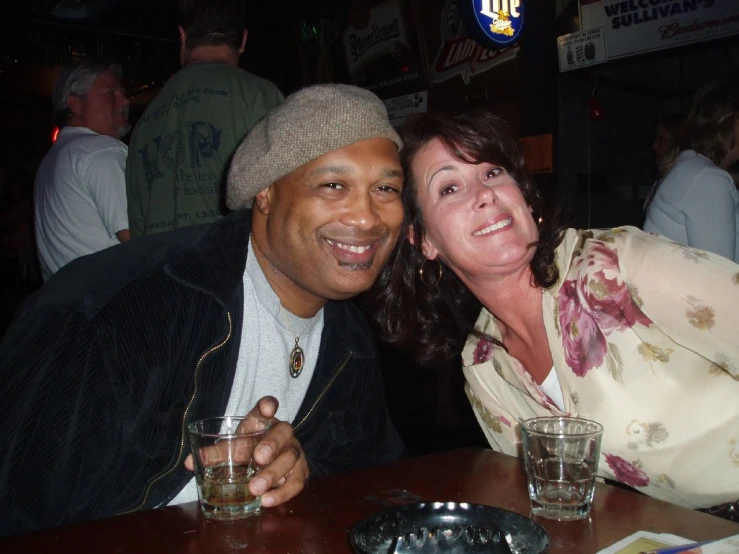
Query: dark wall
[[616, 150]]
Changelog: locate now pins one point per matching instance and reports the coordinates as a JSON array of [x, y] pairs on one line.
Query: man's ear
[[411, 235], [243, 42], [263, 200], [183, 44], [74, 103]]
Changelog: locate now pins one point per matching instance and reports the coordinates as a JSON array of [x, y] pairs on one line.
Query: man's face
[[104, 109], [324, 231]]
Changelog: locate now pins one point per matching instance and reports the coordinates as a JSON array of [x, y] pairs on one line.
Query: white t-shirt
[[264, 353], [551, 388], [79, 197]]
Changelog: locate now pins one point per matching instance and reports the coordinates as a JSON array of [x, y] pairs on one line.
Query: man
[[80, 192], [208, 320], [182, 144]]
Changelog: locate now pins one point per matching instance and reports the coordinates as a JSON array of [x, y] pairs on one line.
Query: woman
[[667, 132], [618, 326], [696, 201]]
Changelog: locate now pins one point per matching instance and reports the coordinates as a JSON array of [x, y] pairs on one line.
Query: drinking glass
[[561, 458], [222, 450]]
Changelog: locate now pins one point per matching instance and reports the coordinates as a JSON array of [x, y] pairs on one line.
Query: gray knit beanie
[[310, 123]]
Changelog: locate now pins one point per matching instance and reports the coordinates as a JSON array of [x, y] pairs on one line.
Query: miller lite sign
[[461, 54], [496, 21]]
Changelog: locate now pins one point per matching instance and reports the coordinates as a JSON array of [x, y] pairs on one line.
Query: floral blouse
[[644, 335]]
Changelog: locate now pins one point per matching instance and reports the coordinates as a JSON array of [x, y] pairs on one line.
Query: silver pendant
[[297, 361]]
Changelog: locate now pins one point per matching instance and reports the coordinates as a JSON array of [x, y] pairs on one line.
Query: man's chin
[[356, 281], [356, 266], [123, 130]]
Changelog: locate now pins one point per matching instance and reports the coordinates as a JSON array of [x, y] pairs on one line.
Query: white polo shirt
[[79, 197]]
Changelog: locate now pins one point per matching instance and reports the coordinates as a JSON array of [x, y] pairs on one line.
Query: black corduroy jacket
[[104, 367]]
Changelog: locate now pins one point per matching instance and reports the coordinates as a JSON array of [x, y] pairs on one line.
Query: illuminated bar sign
[[493, 22], [615, 29]]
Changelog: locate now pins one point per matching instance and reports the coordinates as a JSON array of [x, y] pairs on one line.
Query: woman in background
[[667, 133], [618, 326], [666, 136], [696, 201]]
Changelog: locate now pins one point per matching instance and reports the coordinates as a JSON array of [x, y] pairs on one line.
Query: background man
[[79, 195], [206, 321], [182, 144]]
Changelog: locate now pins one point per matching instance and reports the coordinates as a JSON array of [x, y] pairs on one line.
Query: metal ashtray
[[376, 533]]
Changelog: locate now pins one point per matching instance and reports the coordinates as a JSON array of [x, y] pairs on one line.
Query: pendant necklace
[[297, 357]]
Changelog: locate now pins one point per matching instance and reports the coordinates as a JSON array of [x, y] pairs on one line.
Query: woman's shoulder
[[594, 244], [591, 248], [635, 254], [693, 169], [617, 251]]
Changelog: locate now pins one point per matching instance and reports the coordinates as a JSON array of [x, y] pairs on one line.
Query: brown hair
[[708, 128], [432, 323]]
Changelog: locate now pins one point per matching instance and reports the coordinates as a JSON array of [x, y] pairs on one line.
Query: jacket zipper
[[323, 392], [183, 434]]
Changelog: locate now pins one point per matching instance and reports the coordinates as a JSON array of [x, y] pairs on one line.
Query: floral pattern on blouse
[[699, 315], [492, 422], [592, 306], [483, 352], [628, 473], [646, 433], [734, 451], [644, 338]]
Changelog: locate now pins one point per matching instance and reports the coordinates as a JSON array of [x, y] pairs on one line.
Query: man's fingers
[[283, 479], [267, 406], [260, 416], [280, 495], [284, 465], [274, 442], [234, 451], [254, 422]]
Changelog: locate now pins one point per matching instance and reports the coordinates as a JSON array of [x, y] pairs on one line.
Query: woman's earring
[[426, 281]]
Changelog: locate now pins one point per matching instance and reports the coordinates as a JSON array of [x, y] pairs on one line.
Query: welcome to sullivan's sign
[[636, 26]]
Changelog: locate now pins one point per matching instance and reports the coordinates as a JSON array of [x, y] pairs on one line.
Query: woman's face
[[475, 215], [733, 155]]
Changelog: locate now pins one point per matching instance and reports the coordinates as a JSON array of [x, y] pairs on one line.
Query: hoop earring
[[429, 285]]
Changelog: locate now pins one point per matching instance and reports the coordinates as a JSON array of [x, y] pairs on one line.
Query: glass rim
[[597, 427], [191, 428]]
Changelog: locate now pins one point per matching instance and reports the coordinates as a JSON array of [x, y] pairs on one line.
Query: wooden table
[[320, 518]]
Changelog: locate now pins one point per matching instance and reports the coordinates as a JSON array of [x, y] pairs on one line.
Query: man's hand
[[284, 467]]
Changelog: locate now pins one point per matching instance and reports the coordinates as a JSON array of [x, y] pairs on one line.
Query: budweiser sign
[[633, 27]]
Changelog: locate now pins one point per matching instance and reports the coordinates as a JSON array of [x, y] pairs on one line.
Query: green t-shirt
[[181, 147]]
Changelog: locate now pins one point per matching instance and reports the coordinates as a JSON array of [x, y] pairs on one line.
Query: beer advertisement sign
[[494, 22], [634, 27], [380, 53], [385, 33], [453, 53]]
